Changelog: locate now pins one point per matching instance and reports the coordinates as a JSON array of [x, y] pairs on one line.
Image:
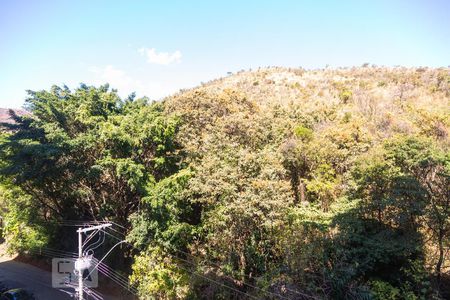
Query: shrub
[[382, 290], [345, 95], [303, 133]]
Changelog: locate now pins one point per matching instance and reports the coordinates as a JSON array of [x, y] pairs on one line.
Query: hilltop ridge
[[383, 100]]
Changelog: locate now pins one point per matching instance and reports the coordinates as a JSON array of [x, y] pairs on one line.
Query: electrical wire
[[89, 238], [246, 276], [107, 271], [119, 283], [116, 231], [96, 244], [93, 294], [247, 284], [103, 268], [196, 273], [186, 261], [124, 283], [110, 270], [112, 276], [218, 283], [114, 273], [220, 268], [111, 235], [107, 253], [74, 223]]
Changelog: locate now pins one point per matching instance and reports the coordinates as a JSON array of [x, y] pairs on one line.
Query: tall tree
[[88, 154]]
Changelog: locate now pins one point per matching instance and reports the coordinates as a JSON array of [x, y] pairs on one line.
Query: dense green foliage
[[308, 185], [85, 155]]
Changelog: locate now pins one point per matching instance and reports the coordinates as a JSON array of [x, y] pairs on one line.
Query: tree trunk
[[294, 185], [441, 255], [302, 191]]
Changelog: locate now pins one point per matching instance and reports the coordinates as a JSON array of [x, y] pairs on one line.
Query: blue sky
[[156, 48]]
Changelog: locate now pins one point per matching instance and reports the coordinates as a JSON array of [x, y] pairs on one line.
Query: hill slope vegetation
[[270, 184]]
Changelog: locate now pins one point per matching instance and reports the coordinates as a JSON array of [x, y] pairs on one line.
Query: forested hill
[[7, 115], [275, 183]]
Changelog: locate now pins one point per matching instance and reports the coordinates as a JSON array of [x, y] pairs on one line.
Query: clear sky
[[157, 47]]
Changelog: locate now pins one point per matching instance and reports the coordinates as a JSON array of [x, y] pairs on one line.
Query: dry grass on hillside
[[383, 100]]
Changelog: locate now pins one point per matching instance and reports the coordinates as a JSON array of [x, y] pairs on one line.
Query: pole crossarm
[[80, 230]]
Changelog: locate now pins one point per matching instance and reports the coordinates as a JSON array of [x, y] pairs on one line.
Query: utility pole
[[81, 263], [80, 256]]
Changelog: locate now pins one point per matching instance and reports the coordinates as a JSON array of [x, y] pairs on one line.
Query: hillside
[[5, 115], [275, 183], [275, 138], [389, 100]]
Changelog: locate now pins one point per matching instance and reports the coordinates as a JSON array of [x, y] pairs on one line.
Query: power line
[[107, 272], [195, 273], [120, 233], [124, 283], [112, 248], [90, 223], [56, 252], [219, 283], [98, 243], [245, 283], [249, 285], [103, 268], [113, 236], [89, 238], [246, 276]]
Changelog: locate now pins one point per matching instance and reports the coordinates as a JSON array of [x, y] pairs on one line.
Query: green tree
[[89, 155], [429, 164], [405, 185]]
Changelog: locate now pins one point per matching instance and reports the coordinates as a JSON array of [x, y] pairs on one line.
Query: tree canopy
[[323, 184]]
